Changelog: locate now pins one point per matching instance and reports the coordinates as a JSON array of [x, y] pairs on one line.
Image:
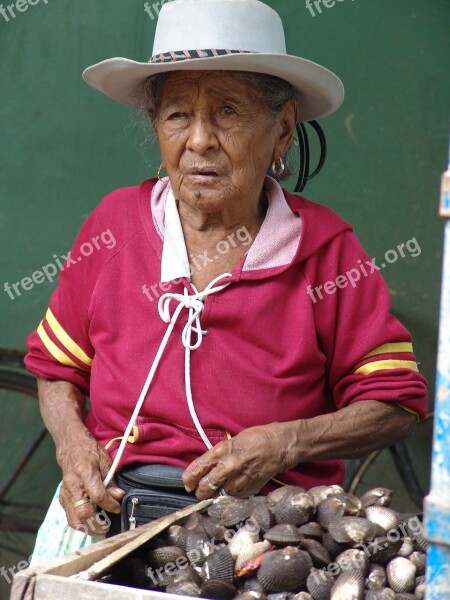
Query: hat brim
[[321, 91]]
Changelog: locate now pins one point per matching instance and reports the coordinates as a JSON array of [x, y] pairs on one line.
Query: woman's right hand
[[85, 464], [83, 461]]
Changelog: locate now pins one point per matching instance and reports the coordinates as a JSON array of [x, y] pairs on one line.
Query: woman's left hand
[[243, 464]]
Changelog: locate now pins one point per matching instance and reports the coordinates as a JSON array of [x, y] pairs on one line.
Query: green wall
[[64, 146]]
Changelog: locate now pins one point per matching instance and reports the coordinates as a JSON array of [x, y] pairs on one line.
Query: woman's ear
[[288, 119]]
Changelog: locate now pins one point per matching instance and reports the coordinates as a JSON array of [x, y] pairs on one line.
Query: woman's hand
[[83, 462], [243, 464], [84, 465]]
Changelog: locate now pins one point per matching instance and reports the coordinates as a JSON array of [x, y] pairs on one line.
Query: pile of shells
[[290, 545]]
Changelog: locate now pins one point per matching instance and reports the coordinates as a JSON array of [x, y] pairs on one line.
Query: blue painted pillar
[[437, 503]]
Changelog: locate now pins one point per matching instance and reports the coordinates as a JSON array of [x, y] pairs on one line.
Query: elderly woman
[[226, 332]]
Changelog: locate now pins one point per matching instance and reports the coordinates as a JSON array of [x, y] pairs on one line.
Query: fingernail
[[189, 489]]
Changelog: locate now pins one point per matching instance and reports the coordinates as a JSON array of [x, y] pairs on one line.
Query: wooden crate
[[73, 576]]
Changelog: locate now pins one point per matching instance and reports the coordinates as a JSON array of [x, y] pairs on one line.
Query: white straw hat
[[231, 35]]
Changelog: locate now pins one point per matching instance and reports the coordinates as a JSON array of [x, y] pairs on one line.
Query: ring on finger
[[79, 503], [212, 486]]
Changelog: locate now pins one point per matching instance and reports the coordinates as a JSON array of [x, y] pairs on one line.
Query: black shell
[[352, 529], [317, 551], [350, 584], [219, 565], [198, 546], [283, 535], [352, 560], [262, 516], [176, 536], [218, 589], [218, 505], [420, 560], [321, 492], [311, 530], [383, 549], [214, 529], [329, 510], [381, 594], [377, 497], [160, 557], [284, 570], [353, 505], [252, 585], [184, 588], [333, 547], [236, 512], [276, 495], [319, 584], [294, 509]]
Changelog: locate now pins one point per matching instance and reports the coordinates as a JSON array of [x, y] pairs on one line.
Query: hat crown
[[247, 25]]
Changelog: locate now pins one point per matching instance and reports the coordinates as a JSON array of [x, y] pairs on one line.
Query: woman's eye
[[177, 115], [228, 110]]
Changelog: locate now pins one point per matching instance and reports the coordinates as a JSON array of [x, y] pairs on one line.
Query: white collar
[[275, 245]]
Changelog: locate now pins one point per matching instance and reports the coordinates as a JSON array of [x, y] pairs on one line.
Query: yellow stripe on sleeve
[[409, 410], [60, 356], [380, 365], [66, 340], [393, 347]]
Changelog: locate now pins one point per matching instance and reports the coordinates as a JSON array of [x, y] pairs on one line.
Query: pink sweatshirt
[[275, 351]]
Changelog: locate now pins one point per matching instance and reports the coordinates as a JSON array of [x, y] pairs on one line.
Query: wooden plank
[[154, 528], [53, 587], [82, 560]]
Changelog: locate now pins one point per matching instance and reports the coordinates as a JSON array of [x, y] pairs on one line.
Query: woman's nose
[[202, 134]]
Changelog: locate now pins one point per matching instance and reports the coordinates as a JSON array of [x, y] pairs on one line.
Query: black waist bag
[[152, 491]]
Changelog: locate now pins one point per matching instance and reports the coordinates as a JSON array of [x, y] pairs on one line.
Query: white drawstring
[[194, 304]]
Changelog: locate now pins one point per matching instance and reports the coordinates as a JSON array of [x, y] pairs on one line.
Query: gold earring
[[278, 167], [161, 167]]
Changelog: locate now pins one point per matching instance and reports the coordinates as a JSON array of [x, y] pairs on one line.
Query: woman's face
[[217, 137]]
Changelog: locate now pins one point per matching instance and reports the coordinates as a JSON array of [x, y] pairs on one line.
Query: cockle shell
[[329, 510], [381, 594], [352, 529], [176, 536], [283, 535], [319, 584], [321, 492], [382, 549], [419, 559], [219, 565], [353, 559], [294, 509], [332, 546], [353, 505], [217, 589], [385, 517], [236, 512], [184, 588], [311, 530], [160, 557], [377, 496], [406, 547], [218, 505], [348, 586], [276, 495], [376, 577], [262, 516], [401, 574], [250, 596], [284, 570], [198, 546], [317, 551]]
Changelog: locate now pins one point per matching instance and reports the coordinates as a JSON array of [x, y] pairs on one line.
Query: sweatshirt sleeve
[[60, 348], [369, 352]]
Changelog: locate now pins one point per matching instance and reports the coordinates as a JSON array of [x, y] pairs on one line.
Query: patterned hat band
[[166, 57]]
